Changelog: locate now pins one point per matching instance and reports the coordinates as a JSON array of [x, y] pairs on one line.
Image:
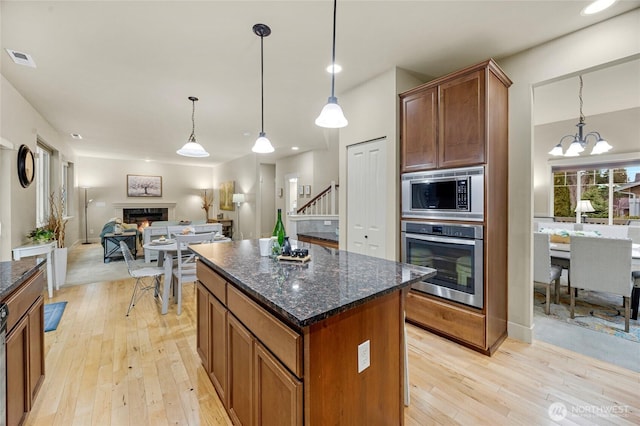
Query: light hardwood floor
[[103, 368]]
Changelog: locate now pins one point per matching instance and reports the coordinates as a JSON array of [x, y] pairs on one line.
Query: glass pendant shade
[[262, 145], [574, 149], [331, 115], [192, 149], [556, 151], [601, 147]]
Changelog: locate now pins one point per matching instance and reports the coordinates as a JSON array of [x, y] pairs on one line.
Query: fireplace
[[144, 216]]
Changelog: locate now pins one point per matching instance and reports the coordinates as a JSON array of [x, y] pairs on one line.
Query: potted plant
[[41, 235]]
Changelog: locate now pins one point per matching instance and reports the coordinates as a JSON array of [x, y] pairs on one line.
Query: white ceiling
[[119, 73]]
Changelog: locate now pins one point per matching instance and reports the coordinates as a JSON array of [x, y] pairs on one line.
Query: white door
[[366, 197]]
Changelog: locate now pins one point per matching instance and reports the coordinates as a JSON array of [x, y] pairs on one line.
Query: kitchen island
[[319, 342]]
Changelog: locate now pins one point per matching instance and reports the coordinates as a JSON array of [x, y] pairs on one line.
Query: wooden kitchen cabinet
[[444, 121], [24, 347], [240, 370], [419, 131]]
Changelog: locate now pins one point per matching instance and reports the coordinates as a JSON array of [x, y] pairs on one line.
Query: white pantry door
[[366, 197]]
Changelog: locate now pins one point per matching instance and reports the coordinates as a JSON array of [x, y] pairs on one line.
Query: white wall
[[610, 41], [245, 172], [267, 203], [22, 124], [372, 110]]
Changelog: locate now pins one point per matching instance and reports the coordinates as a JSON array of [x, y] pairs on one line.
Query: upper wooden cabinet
[[445, 121]]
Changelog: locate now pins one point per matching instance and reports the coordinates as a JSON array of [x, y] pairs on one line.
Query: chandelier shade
[[580, 140], [262, 144], [331, 115], [192, 148]]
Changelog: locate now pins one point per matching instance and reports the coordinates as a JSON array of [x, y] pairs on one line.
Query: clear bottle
[[279, 232]]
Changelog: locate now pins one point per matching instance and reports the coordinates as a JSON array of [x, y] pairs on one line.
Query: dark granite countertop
[[14, 273], [302, 294], [326, 236]]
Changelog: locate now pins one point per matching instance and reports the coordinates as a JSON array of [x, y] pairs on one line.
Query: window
[[43, 183], [614, 192]]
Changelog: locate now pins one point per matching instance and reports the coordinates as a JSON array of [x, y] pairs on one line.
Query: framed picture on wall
[[144, 186], [307, 190], [226, 195]]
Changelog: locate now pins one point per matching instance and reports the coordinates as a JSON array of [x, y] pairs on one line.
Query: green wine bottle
[[279, 231]]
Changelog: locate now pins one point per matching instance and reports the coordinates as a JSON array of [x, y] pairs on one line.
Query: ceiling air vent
[[21, 58]]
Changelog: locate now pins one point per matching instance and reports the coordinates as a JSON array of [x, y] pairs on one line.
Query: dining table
[[169, 248], [561, 256]]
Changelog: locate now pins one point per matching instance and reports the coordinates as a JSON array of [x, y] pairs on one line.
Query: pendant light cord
[[192, 138], [262, 81], [333, 56]]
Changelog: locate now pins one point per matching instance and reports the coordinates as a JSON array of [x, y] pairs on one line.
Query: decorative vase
[[60, 265]]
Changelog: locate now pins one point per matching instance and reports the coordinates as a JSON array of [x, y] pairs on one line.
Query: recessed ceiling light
[[597, 6], [334, 69], [295, 148], [21, 58], [76, 136]]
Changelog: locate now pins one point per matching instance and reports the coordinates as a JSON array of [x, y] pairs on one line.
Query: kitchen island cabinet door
[[462, 115], [419, 130], [203, 327], [218, 347], [36, 347], [277, 393], [17, 347], [240, 365]]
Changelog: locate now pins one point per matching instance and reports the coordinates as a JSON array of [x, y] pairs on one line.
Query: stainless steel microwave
[[454, 194]]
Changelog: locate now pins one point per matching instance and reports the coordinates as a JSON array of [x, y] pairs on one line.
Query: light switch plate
[[364, 357]]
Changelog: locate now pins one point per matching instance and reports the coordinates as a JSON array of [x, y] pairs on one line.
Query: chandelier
[[579, 140]]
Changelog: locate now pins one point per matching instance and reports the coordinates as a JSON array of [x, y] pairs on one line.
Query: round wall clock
[[26, 166]]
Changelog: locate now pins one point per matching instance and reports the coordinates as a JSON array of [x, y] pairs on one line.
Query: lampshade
[[262, 145], [192, 148], [584, 206], [238, 198], [331, 115]]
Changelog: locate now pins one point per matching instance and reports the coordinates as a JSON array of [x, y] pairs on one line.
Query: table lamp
[[584, 207]]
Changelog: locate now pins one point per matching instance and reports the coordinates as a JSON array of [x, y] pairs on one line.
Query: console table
[[227, 226], [112, 245], [35, 249]]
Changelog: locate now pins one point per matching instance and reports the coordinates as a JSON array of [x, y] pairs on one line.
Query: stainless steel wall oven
[[456, 251]]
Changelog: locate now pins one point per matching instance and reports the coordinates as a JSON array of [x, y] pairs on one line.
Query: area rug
[[85, 265], [52, 314], [594, 310]]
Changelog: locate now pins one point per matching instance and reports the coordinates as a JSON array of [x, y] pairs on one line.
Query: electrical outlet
[[327, 222], [364, 357]]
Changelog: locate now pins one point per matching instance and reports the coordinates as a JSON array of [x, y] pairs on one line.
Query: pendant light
[[262, 145], [331, 115], [193, 148], [579, 140]]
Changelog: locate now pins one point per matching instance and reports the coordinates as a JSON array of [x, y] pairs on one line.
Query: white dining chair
[[141, 271], [184, 269], [543, 271], [602, 264]]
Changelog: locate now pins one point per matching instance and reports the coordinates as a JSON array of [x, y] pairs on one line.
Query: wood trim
[[324, 243]]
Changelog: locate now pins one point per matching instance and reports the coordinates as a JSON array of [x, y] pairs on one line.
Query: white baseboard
[[520, 332]]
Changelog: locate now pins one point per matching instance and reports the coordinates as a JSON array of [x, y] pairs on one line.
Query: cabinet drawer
[[21, 299], [285, 344], [212, 281], [445, 318]]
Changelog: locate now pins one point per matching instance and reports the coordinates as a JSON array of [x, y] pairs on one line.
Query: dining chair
[[173, 230], [184, 269], [141, 271], [543, 271], [602, 264]]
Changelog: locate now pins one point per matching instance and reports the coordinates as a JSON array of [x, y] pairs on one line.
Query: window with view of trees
[[614, 192]]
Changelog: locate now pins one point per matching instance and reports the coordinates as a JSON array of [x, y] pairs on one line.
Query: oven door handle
[[447, 240]]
